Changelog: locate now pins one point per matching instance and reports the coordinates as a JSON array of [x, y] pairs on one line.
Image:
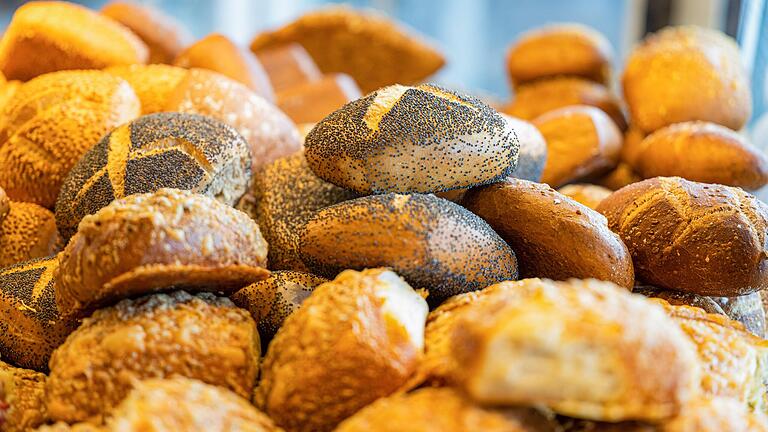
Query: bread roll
[[150, 242], [310, 102], [202, 337], [703, 152], [533, 150], [218, 53], [747, 309], [633, 139], [587, 349], [582, 142], [28, 232], [586, 194], [431, 242], [412, 139], [693, 237], [560, 49], [270, 133], [50, 122], [288, 65], [680, 298], [165, 150], [716, 415], [621, 176], [24, 390], [164, 36], [5, 205], [552, 235], [374, 50], [686, 73], [154, 84], [49, 36]]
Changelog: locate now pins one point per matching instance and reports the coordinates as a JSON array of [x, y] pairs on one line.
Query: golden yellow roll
[[24, 396], [5, 205], [587, 194], [154, 84], [28, 232]]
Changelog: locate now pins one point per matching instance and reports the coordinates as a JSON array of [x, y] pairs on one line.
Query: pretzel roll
[[5, 205], [218, 53], [686, 73], [202, 337], [288, 65], [533, 150], [582, 142], [270, 133], [311, 102], [747, 309], [586, 194], [154, 84], [693, 237], [412, 139], [354, 340], [24, 395], [27, 232], [50, 122], [165, 150], [560, 49], [49, 36], [150, 242], [164, 36], [433, 243]]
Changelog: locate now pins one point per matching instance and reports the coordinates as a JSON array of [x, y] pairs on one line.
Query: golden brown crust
[[717, 415], [374, 50], [587, 194], [202, 337], [154, 84], [49, 36], [694, 237], [621, 176], [288, 65], [28, 232], [24, 392], [747, 309], [552, 235], [680, 298], [582, 142], [310, 102], [5, 205], [150, 242]]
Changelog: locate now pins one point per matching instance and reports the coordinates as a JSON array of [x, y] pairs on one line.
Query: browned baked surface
[[717, 415], [532, 155], [374, 50], [587, 194], [5, 205], [310, 102], [288, 65], [695, 237], [49, 36], [27, 232], [633, 139], [747, 309], [621, 176], [24, 392], [202, 337], [681, 298], [153, 83]]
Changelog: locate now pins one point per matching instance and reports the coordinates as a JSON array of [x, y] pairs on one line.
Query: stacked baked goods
[[174, 258]]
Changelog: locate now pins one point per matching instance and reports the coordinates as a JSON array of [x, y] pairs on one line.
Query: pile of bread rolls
[[195, 236]]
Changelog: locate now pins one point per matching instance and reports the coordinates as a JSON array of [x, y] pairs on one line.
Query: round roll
[[150, 242], [28, 232], [747, 309], [533, 150], [202, 337], [165, 150], [49, 36], [582, 142], [412, 139], [154, 84], [270, 133], [24, 392], [354, 340], [552, 235], [686, 73], [702, 152], [5, 205], [694, 237], [586, 194], [164, 36], [431, 242], [50, 122], [560, 49]]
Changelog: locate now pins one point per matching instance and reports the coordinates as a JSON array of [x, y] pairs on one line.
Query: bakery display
[[23, 392], [27, 232]]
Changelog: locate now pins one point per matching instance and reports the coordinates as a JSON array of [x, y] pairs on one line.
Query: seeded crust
[[693, 237], [336, 354], [24, 390], [28, 232], [5, 205], [284, 196], [150, 242], [31, 326], [375, 50], [49, 36], [532, 155], [717, 415], [587, 194], [50, 122], [272, 300], [412, 139], [171, 150], [153, 83], [202, 337], [270, 133], [683, 74], [164, 36], [218, 53], [431, 242], [747, 309]]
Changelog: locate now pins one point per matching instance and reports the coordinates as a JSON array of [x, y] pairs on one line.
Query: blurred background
[[474, 34]]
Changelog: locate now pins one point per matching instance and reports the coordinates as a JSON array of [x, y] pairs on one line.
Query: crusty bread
[[28, 232], [310, 102], [218, 53], [747, 309], [694, 237], [587, 349], [582, 142], [50, 122], [354, 340], [587, 194], [164, 36], [288, 65], [5, 205], [412, 139], [552, 235], [532, 155], [680, 298], [203, 337], [48, 36], [433, 243], [560, 49], [165, 150], [374, 50], [150, 242], [621, 176], [24, 393], [717, 415], [686, 73], [154, 84]]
